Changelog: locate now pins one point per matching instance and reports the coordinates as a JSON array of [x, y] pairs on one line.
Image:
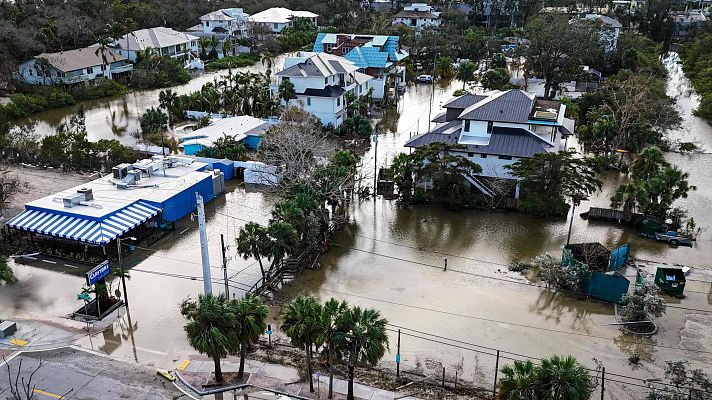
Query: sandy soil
[[39, 183]]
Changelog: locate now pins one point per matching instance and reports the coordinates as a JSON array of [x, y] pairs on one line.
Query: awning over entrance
[[83, 229]]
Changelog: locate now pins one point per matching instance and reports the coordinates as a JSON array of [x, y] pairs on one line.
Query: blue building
[[149, 194], [244, 128], [375, 55]]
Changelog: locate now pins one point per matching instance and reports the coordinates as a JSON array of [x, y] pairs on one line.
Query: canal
[[392, 258]]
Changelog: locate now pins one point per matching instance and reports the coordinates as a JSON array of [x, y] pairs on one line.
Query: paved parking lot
[[76, 374]]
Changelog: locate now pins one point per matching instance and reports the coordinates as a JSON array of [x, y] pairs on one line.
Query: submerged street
[[392, 258]]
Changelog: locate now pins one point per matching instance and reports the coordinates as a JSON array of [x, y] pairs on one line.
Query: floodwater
[[392, 258], [118, 117]]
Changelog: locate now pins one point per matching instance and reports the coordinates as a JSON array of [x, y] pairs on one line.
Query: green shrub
[[238, 61], [59, 98], [98, 88], [158, 72]]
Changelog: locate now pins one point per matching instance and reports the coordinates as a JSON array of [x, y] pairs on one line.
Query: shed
[[602, 282], [670, 280]]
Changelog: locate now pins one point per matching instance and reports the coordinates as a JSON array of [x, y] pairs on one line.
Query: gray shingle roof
[[510, 106], [319, 64], [328, 91], [464, 101], [512, 142]]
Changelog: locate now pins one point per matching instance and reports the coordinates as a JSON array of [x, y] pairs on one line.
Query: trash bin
[[670, 280]]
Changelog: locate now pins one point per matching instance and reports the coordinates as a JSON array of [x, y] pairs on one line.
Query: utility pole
[[224, 258], [375, 162], [571, 223], [207, 281], [432, 92], [123, 273]]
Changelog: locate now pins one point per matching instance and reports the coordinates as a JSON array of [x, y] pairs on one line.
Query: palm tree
[[103, 49], [562, 378], [443, 67], [250, 316], [252, 242], [286, 91], [362, 339], [331, 312], [6, 273], [518, 382], [466, 72], [226, 47], [629, 196], [301, 318], [283, 239], [211, 327], [167, 99]]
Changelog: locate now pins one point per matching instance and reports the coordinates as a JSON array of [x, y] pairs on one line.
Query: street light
[[121, 268]]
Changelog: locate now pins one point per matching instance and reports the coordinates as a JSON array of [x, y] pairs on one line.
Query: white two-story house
[[277, 18], [321, 82], [226, 21], [162, 41], [497, 129], [417, 16], [73, 66]]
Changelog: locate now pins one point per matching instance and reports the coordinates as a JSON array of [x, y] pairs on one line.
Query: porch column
[[516, 191]]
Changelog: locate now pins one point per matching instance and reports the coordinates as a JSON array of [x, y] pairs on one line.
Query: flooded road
[[392, 258]]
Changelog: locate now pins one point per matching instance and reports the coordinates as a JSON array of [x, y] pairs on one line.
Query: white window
[[90, 70], [276, 26]]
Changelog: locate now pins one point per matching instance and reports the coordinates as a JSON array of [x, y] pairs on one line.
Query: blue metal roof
[[370, 54], [84, 229], [364, 57]]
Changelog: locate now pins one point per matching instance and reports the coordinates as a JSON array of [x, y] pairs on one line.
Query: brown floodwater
[[392, 258]]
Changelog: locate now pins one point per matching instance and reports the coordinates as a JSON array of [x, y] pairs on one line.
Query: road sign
[[98, 272]]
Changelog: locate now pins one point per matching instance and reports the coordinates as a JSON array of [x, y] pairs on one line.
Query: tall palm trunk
[[243, 355], [218, 370], [309, 367], [350, 395], [262, 269]]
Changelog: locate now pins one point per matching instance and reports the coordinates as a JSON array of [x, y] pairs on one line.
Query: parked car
[[673, 238], [425, 78]]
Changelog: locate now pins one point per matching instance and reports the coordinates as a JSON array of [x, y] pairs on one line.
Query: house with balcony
[[226, 24], [162, 41], [418, 16], [277, 18], [497, 129], [376, 55], [321, 82], [73, 66]]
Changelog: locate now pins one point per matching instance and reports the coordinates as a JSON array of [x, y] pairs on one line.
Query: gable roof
[[155, 38], [511, 106], [72, 60], [218, 15], [415, 14], [328, 91], [280, 15], [320, 64], [512, 142], [464, 101]]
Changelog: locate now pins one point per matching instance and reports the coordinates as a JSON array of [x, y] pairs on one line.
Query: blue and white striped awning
[[100, 232]]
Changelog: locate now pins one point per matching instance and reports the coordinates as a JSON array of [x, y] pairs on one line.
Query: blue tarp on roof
[[81, 228]]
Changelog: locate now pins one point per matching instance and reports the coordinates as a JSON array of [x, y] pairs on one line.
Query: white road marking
[[9, 358], [71, 266], [50, 262]]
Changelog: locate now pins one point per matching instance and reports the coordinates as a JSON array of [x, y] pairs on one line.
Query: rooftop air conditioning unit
[[87, 193], [120, 171], [73, 201], [133, 176]]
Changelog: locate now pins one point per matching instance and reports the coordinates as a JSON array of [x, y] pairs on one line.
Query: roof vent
[[87, 193]]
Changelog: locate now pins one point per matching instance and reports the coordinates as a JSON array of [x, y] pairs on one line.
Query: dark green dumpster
[[670, 280]]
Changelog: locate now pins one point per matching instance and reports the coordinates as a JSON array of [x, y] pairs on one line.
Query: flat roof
[[108, 198]]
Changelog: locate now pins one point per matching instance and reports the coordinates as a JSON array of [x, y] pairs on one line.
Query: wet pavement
[[392, 258]]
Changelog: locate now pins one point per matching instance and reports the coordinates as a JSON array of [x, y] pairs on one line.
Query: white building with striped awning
[[148, 195]]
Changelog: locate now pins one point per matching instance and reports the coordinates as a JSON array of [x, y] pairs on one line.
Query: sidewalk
[[284, 379]]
